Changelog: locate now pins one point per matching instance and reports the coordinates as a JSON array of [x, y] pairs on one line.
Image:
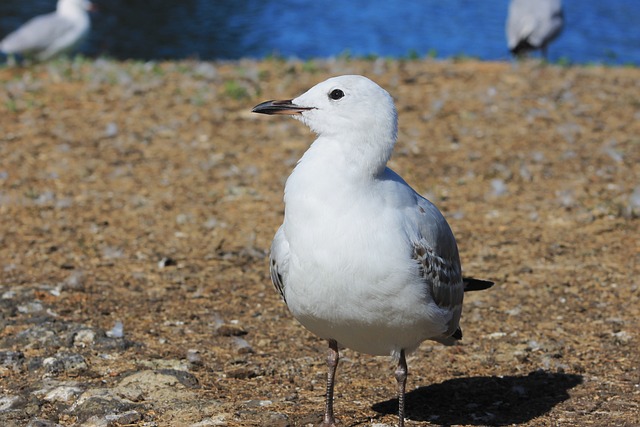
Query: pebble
[[218, 420], [230, 330], [622, 337], [125, 418], [92, 407], [498, 187], [111, 130], [632, 209], [75, 281], [84, 338], [65, 363], [10, 402], [149, 383], [242, 346], [11, 360], [243, 372], [38, 422], [30, 307], [194, 357], [117, 331], [65, 394]]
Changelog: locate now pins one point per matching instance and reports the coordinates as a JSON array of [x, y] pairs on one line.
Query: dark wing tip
[[471, 284], [457, 334]]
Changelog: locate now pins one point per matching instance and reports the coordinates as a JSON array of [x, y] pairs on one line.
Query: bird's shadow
[[493, 401]]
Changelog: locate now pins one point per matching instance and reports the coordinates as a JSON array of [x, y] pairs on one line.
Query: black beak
[[279, 107]]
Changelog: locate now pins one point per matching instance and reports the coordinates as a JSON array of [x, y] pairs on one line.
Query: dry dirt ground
[[138, 202]]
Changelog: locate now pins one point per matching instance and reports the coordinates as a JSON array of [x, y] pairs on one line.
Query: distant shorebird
[[362, 260], [533, 24], [47, 36]]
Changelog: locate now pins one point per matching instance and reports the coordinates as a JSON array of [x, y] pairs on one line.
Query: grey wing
[[436, 252], [521, 22], [549, 26], [279, 261], [537, 22], [442, 276], [37, 34]]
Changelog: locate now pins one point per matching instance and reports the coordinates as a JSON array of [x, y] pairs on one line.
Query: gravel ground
[[138, 202]]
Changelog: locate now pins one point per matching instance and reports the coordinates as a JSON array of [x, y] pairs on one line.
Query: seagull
[[533, 24], [50, 35], [361, 259]]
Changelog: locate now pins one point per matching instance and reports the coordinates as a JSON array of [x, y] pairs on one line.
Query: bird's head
[[76, 5], [342, 106]]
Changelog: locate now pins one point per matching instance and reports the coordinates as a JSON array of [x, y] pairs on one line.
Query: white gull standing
[[47, 36], [362, 260], [533, 24]]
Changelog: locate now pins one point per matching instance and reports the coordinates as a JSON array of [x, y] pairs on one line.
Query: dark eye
[[336, 94]]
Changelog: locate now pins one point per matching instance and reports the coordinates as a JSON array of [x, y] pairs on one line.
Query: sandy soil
[[148, 194]]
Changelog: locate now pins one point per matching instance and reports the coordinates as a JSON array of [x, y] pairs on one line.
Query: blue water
[[596, 31]]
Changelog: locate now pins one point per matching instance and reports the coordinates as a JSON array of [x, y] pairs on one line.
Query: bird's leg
[[401, 378], [332, 363]]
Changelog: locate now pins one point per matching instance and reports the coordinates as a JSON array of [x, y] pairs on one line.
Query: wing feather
[[279, 262], [442, 277]]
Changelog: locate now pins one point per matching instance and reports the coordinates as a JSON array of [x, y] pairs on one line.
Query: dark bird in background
[[532, 25]]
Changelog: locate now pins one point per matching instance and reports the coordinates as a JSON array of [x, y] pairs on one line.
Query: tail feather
[[471, 284]]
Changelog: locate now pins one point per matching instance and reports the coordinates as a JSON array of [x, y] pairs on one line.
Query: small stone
[[96, 421], [117, 331], [93, 405], [622, 337], [217, 420], [111, 130], [194, 357], [498, 187], [185, 378], [8, 403], [256, 403], [230, 330], [242, 372], [149, 381], [242, 346], [125, 418], [13, 360], [632, 210], [38, 422], [30, 307], [496, 335], [75, 281], [278, 419], [9, 294], [84, 338], [69, 363], [64, 394]]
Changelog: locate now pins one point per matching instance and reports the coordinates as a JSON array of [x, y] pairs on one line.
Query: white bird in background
[[533, 24], [361, 259], [46, 36]]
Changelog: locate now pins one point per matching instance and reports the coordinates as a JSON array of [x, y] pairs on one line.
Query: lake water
[[596, 31]]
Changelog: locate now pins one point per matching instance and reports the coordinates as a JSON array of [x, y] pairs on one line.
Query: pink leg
[[332, 362], [401, 378]]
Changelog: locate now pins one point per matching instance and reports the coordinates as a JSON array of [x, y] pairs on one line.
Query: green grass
[[235, 90]]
